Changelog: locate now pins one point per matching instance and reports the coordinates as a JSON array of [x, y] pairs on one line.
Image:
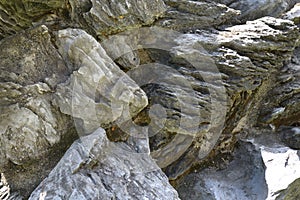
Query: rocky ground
[[140, 99]]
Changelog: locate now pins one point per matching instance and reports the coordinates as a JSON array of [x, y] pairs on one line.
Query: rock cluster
[[114, 99]]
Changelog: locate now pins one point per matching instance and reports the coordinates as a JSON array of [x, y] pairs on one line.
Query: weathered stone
[[95, 168], [254, 9], [192, 15], [246, 70], [107, 17], [293, 14], [31, 128], [243, 178], [284, 110], [19, 15], [204, 90], [98, 92]]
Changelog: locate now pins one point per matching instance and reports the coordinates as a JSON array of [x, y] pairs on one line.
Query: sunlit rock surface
[[98, 92], [186, 98], [95, 168]]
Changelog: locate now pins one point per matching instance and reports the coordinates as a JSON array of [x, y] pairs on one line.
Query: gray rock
[[108, 17], [243, 178], [244, 68], [284, 109], [290, 136], [293, 14], [98, 92], [254, 9], [188, 16], [31, 128], [95, 168]]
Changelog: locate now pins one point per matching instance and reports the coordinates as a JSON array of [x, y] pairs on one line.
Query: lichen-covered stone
[[19, 15]]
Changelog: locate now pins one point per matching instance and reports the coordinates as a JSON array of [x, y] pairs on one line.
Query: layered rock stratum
[[140, 99]]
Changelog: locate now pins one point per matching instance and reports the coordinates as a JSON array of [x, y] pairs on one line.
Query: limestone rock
[[98, 92], [208, 86], [95, 168], [30, 126]]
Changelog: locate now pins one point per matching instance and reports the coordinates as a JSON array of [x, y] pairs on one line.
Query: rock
[[246, 72], [243, 178], [284, 109], [105, 170], [290, 136], [4, 188], [192, 95], [254, 9], [98, 92], [188, 16], [290, 193], [31, 128], [108, 17], [293, 14], [19, 15]]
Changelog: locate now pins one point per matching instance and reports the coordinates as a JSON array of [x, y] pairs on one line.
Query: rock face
[[192, 15], [98, 92], [187, 84], [244, 178], [31, 127], [254, 9], [18, 15], [95, 168]]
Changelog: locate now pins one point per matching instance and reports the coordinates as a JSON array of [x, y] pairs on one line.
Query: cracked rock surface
[[124, 99]]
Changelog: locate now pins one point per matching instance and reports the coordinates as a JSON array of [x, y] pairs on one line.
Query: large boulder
[[95, 168]]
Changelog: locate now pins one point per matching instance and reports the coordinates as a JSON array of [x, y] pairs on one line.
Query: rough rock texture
[[242, 179], [95, 168], [31, 127], [254, 9], [293, 14], [103, 18], [98, 92], [246, 76], [193, 15], [18, 15], [292, 192], [231, 73]]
